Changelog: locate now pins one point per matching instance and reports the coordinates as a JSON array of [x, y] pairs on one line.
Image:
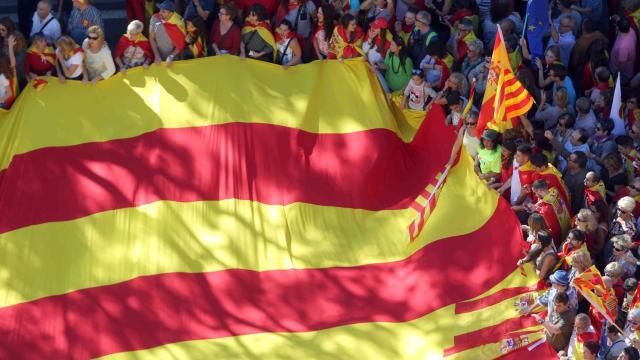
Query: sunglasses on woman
[[93, 37]]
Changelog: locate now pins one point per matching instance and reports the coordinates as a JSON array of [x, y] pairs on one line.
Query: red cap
[[380, 23]]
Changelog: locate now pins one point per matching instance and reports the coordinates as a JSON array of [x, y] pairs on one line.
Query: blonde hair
[[562, 98], [581, 260], [621, 241], [627, 204], [66, 45], [97, 30], [592, 223], [615, 269]]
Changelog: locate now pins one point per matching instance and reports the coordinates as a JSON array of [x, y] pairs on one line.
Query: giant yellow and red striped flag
[[505, 98], [233, 209]]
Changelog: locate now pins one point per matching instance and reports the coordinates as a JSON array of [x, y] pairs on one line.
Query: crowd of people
[[572, 174]]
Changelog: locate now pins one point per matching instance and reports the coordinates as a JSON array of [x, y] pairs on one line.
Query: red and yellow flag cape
[[140, 41], [174, 225], [175, 29], [264, 31]]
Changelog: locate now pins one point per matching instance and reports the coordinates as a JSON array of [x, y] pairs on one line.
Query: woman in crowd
[[489, 160], [7, 28], [40, 59], [544, 255], [397, 66], [98, 59], [195, 39], [377, 42], [8, 77], [257, 40], [225, 35], [346, 41], [70, 59], [595, 234], [548, 114], [621, 245], [624, 222], [324, 30], [133, 48], [551, 56], [289, 51]]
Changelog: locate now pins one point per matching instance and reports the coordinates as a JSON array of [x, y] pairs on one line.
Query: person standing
[[98, 60], [167, 33], [45, 23], [83, 16]]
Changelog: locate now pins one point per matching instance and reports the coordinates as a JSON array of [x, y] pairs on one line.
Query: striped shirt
[[80, 21]]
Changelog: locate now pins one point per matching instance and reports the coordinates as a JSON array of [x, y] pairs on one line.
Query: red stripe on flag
[[492, 334], [503, 294], [154, 310], [372, 170]]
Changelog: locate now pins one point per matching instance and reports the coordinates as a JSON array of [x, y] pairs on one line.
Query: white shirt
[[4, 85], [52, 31], [515, 183], [100, 63], [75, 59]]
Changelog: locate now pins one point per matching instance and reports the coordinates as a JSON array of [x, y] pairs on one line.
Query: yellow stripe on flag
[[206, 91], [423, 338], [121, 244]]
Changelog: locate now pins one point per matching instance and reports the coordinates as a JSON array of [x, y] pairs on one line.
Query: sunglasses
[[624, 212], [619, 249], [580, 220], [92, 37], [470, 123]]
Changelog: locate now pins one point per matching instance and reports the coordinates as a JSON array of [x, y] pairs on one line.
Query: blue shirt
[[207, 5]]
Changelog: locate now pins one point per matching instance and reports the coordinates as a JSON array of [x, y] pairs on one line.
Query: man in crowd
[[45, 23], [558, 325], [166, 33], [83, 16]]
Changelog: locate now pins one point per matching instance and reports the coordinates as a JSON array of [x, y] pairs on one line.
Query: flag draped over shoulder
[[193, 223], [175, 29], [505, 98], [140, 41], [537, 23], [590, 284], [264, 31]]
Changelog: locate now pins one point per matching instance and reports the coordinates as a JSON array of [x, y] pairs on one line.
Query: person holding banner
[[167, 33]]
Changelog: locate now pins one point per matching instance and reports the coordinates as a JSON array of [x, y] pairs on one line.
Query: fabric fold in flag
[[189, 222]]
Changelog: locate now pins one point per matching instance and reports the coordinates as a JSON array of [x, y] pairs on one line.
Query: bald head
[[44, 9]]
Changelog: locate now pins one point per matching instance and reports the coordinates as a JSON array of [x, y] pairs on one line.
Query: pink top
[[623, 54]]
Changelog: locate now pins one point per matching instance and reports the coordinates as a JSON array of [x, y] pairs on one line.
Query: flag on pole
[[592, 287], [617, 114], [537, 25], [505, 98]]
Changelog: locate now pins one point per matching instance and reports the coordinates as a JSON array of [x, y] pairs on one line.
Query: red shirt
[[34, 63], [229, 41]]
